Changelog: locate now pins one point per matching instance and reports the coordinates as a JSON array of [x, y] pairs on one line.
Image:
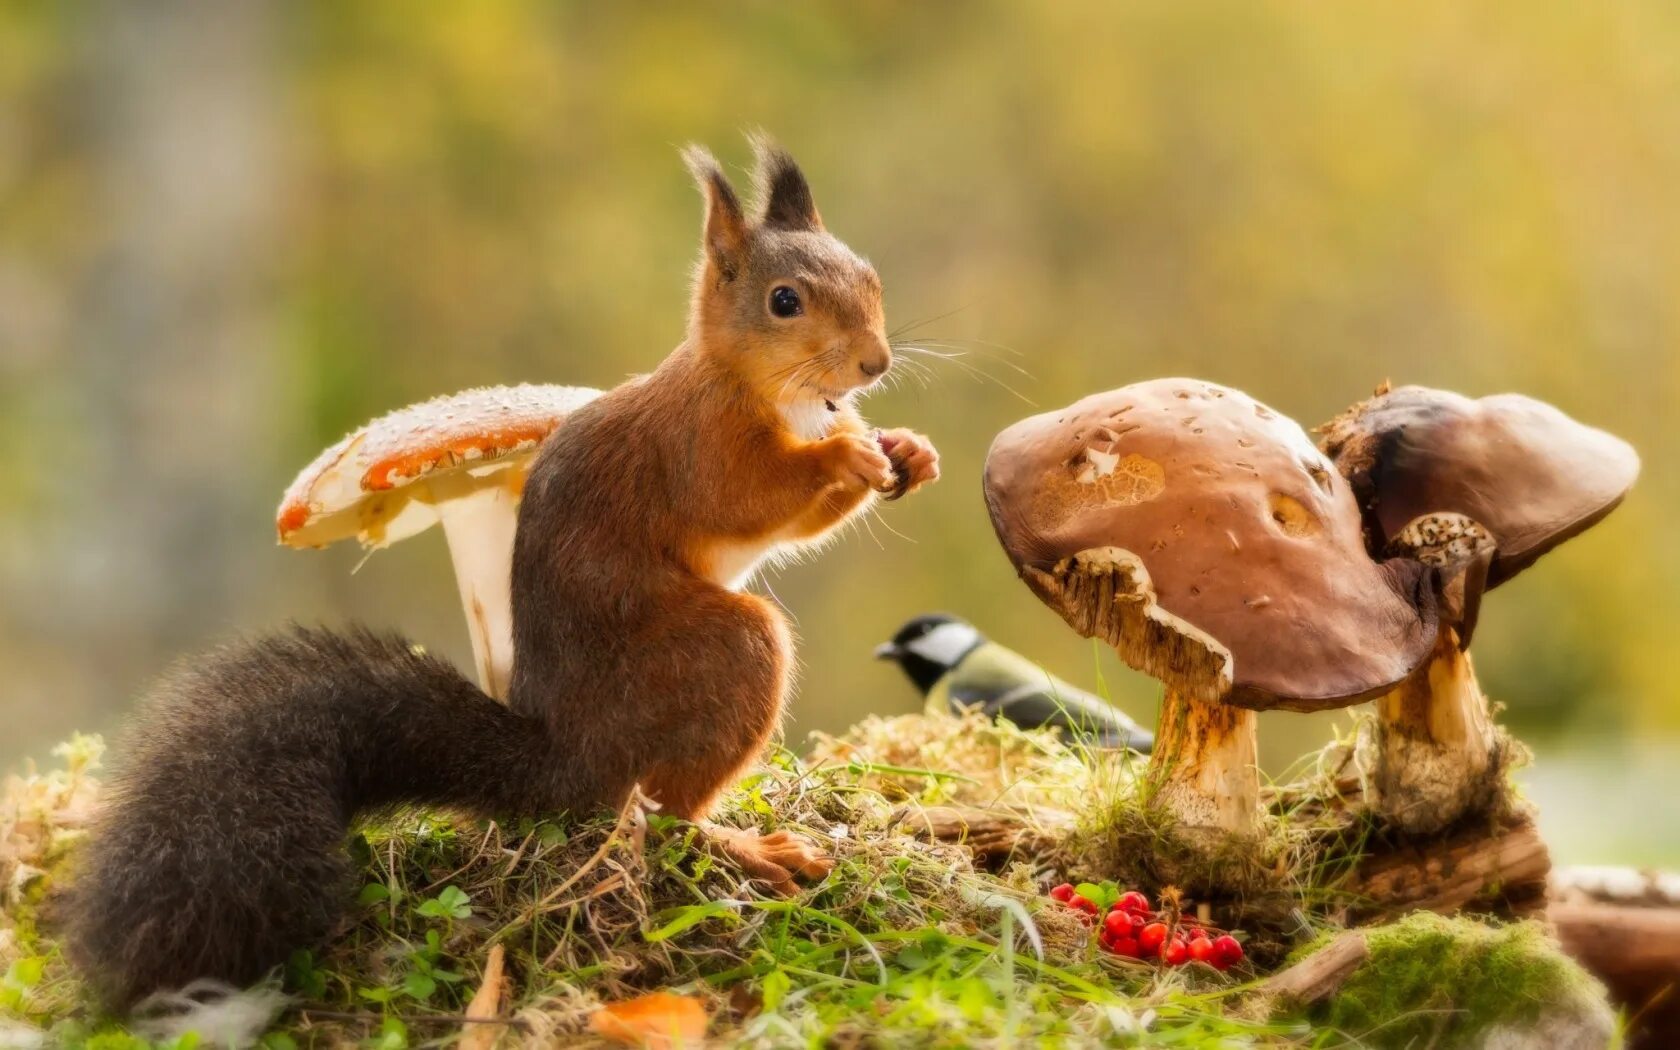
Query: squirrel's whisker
[[974, 372], [958, 358], [875, 512], [908, 367], [911, 326], [972, 343], [863, 519], [950, 352]]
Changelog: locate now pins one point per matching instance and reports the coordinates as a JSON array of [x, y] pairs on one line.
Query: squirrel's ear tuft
[[726, 225], [784, 197]]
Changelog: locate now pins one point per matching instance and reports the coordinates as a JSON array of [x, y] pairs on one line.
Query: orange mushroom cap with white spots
[[459, 460], [364, 485]]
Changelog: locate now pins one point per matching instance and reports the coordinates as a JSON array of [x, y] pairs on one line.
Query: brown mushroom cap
[[1530, 475], [1228, 555], [365, 485]]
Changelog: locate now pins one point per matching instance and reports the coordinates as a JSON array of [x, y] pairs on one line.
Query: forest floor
[[618, 929]]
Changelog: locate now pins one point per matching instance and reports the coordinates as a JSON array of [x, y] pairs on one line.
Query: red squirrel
[[638, 659]]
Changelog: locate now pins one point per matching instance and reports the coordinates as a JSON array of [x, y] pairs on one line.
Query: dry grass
[[970, 760]]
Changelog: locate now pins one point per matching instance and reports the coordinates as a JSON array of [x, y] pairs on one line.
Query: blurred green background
[[228, 233]]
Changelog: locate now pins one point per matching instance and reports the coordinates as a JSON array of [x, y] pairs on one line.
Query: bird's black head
[[929, 646]]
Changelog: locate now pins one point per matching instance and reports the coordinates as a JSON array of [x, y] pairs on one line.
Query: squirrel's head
[[778, 298]]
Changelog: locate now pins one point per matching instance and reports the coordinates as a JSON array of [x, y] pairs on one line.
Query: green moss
[[1437, 981]]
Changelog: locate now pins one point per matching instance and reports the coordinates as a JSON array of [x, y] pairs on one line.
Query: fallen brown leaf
[[485, 1007], [658, 1021]]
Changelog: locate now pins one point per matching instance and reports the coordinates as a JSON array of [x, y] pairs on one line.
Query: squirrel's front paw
[[914, 459], [861, 461]]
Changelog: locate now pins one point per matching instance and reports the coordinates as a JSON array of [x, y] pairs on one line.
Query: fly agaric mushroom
[[461, 460], [1205, 537], [1481, 489]]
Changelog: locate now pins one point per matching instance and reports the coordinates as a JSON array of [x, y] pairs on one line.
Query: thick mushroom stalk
[[1204, 537], [1207, 774], [1204, 767], [1438, 753], [1437, 750], [1476, 490], [459, 461]]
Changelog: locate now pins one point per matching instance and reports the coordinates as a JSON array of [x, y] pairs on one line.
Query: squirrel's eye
[[784, 301]]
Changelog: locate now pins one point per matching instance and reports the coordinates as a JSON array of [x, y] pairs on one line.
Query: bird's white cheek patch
[[945, 644]]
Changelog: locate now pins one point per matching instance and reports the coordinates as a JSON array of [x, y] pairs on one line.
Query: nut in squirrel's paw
[[915, 461], [861, 458]]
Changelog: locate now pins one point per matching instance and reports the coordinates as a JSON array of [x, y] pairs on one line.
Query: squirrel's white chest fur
[[810, 420], [734, 564]]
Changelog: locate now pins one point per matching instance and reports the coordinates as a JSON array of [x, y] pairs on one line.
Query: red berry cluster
[[1131, 928]]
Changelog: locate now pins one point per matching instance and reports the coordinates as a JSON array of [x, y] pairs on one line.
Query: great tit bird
[[958, 668]]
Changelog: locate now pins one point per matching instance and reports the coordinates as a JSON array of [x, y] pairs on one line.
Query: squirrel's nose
[[874, 368]]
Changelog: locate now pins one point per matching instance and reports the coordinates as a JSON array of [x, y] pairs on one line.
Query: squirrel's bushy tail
[[219, 848]]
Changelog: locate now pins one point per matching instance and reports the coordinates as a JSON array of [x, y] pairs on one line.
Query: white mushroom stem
[[479, 524], [1204, 766], [1436, 744]]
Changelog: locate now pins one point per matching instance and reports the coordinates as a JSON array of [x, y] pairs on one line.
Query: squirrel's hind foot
[[777, 859]]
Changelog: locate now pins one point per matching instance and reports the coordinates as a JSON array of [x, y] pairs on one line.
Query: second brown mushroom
[[1478, 489], [1211, 543]]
